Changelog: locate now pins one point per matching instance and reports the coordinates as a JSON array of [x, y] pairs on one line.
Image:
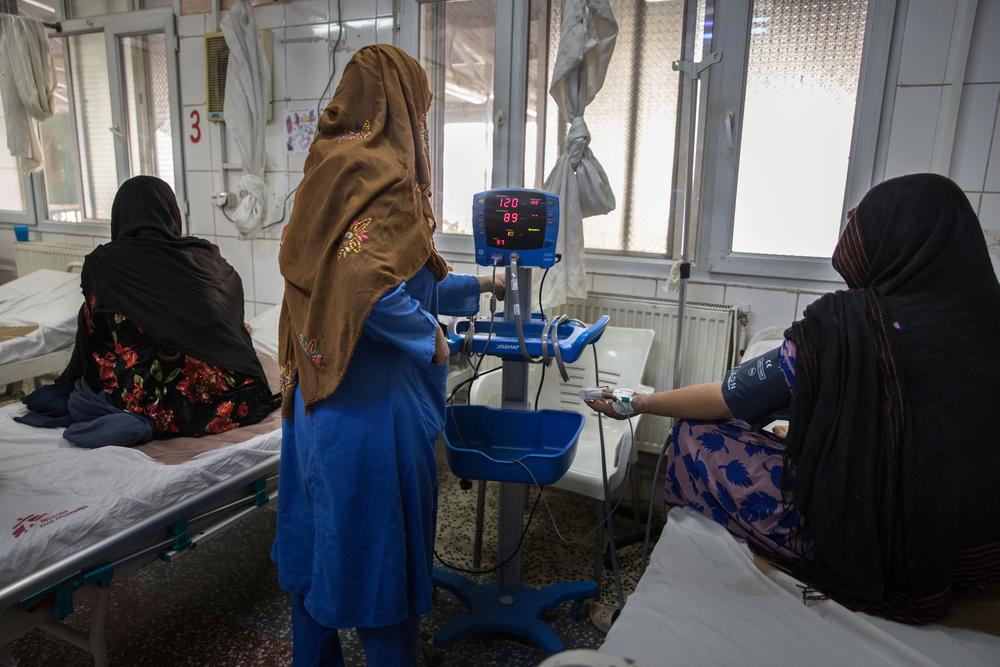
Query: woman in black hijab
[[887, 483], [161, 331]]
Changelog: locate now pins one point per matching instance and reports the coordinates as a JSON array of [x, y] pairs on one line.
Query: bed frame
[[46, 597]]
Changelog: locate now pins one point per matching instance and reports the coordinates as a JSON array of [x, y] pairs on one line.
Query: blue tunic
[[358, 489]]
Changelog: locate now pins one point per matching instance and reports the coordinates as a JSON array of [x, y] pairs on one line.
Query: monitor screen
[[515, 220]]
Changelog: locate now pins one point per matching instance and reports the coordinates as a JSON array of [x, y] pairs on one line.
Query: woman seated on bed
[[884, 493], [161, 347]]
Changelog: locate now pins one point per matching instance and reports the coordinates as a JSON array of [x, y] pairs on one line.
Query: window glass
[[11, 181], [457, 46], [43, 10], [798, 116], [80, 177], [81, 8], [632, 123], [147, 101]]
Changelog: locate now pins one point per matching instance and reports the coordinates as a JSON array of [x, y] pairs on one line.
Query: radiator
[[708, 346], [32, 256]]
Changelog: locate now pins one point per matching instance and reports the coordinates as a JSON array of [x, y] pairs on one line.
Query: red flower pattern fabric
[[182, 395]]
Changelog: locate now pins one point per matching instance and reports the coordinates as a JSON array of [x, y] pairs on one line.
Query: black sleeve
[[756, 388]]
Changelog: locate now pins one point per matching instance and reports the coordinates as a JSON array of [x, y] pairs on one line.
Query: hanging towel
[[27, 85], [586, 41], [248, 80]]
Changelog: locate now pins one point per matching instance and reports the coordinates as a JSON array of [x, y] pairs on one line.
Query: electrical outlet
[[220, 199]]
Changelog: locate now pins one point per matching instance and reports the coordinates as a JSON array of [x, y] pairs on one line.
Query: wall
[[302, 41]]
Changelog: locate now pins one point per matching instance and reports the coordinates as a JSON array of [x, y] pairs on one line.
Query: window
[[633, 125], [114, 111], [12, 196], [790, 132], [79, 148], [787, 121], [798, 116], [147, 101], [632, 120], [457, 43]]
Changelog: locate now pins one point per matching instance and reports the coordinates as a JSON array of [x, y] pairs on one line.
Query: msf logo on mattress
[[26, 523]]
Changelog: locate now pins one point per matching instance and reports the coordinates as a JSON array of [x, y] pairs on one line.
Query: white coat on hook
[[248, 80], [27, 85], [586, 41]]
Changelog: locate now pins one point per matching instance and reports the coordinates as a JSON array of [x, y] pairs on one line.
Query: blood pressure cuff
[[756, 391]]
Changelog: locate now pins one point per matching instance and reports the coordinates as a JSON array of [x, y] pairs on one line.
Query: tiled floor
[[220, 604]]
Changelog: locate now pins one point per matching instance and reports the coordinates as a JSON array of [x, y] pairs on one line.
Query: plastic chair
[[621, 354]]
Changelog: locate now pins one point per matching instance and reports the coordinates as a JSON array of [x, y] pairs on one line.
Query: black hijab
[[892, 457], [179, 289]]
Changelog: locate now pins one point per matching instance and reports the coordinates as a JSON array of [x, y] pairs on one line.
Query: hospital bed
[[74, 520], [49, 301], [705, 599]]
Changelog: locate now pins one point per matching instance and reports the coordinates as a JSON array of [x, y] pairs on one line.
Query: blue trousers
[[314, 645]]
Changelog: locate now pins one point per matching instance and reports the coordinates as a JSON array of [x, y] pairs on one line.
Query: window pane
[[80, 177], [43, 10], [802, 85], [632, 123], [457, 44], [80, 8], [11, 182], [147, 101]]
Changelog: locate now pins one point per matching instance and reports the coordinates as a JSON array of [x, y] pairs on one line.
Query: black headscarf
[[892, 455], [179, 289]]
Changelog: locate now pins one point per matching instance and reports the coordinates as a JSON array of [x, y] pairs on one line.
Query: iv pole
[[692, 72]]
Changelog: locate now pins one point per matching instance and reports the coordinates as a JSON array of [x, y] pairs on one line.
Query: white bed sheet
[[65, 497], [703, 601], [50, 299]]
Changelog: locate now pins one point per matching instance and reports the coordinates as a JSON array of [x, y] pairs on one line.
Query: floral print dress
[[181, 395], [733, 474]]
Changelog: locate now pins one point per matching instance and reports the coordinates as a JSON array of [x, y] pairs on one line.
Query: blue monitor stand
[[506, 605]]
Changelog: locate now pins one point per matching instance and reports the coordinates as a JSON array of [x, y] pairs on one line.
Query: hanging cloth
[[248, 80], [586, 41], [27, 85]]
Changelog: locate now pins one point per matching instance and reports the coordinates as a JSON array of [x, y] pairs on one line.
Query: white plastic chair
[[621, 354]]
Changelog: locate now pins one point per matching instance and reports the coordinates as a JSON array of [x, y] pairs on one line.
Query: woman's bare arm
[[700, 401]]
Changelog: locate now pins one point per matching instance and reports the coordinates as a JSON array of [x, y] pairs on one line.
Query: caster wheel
[[465, 484], [578, 611]]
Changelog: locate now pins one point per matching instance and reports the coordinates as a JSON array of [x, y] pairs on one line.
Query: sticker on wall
[[300, 127]]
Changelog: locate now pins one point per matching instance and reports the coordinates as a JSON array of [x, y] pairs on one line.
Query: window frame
[[726, 95], [113, 27], [722, 89]]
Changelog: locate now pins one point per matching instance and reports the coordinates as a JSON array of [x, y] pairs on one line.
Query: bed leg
[[98, 622]]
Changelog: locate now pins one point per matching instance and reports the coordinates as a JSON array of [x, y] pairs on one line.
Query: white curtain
[[27, 84], [248, 81], [586, 41]]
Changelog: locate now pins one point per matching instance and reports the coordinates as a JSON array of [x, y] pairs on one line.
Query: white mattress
[[702, 601], [75, 497], [50, 299]]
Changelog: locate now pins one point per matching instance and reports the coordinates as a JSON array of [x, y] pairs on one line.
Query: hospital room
[[572, 333]]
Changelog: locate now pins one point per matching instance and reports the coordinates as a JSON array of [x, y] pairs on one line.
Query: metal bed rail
[[108, 552]]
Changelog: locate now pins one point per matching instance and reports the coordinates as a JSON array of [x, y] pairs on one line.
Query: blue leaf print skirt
[[731, 473]]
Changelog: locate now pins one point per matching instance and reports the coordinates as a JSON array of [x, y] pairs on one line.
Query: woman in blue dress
[[363, 363]]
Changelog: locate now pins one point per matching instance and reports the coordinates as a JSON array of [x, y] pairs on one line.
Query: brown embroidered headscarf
[[362, 221]]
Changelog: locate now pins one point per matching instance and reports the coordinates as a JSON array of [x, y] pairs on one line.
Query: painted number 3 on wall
[[195, 135]]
